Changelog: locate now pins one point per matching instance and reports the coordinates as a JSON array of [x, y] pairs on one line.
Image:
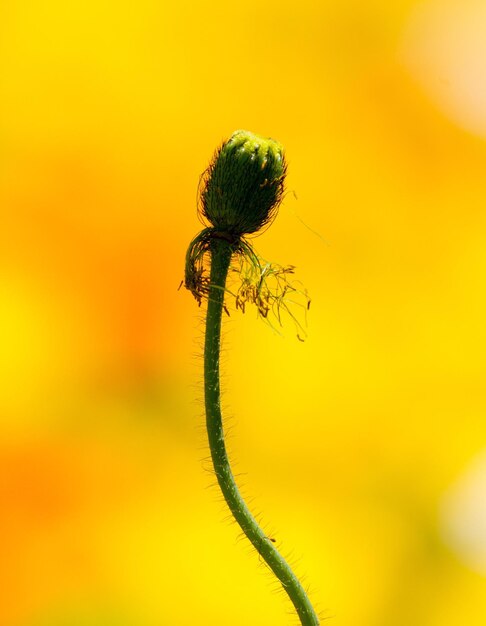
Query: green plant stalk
[[221, 252]]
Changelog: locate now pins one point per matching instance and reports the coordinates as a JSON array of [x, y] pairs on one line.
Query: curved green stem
[[221, 252]]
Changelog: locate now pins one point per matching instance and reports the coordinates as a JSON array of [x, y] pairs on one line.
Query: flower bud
[[243, 186]]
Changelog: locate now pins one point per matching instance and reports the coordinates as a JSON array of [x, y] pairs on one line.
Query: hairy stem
[[221, 252]]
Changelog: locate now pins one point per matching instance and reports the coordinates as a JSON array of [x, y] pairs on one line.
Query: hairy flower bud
[[243, 185]]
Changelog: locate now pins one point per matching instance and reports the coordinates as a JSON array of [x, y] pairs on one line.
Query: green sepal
[[243, 186]]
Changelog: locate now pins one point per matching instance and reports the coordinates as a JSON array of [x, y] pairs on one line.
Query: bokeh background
[[363, 448]]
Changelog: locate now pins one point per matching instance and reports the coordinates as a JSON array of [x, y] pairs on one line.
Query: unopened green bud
[[243, 186]]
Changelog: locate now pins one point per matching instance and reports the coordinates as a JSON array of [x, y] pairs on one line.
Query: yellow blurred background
[[364, 447]]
